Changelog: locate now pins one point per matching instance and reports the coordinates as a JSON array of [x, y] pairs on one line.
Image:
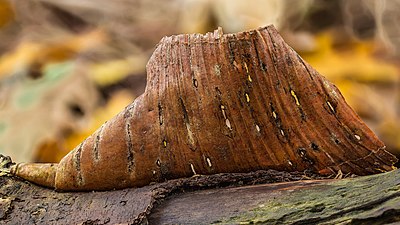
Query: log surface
[[203, 200], [363, 200], [25, 203]]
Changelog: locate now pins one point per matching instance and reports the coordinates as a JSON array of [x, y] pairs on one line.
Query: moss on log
[[364, 200]]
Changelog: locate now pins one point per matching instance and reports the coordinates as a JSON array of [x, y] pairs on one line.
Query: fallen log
[[25, 203], [371, 199], [364, 200]]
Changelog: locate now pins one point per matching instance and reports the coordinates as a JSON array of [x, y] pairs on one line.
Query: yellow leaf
[[106, 73], [356, 63], [116, 104], [29, 53]]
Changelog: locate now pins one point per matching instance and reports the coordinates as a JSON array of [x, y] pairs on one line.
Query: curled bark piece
[[42, 173], [224, 103]]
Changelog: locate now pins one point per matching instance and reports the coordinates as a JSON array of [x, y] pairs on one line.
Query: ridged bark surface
[[225, 103]]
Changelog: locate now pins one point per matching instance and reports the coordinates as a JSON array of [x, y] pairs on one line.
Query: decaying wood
[[220, 103], [364, 200], [24, 203]]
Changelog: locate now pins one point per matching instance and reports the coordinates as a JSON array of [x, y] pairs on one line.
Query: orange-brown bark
[[229, 103]]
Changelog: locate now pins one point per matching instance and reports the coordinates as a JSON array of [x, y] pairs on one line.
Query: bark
[[372, 199], [221, 103], [25, 203], [261, 107], [364, 200]]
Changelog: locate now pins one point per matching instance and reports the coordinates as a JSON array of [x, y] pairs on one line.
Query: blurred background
[[67, 66]]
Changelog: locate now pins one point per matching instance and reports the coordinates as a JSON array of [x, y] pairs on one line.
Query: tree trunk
[[221, 198]]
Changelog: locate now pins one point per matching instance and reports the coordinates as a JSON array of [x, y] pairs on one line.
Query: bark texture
[[223, 103], [25, 203], [364, 200], [217, 104]]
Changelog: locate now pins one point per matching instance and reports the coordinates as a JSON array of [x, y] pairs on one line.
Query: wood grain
[[224, 103]]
